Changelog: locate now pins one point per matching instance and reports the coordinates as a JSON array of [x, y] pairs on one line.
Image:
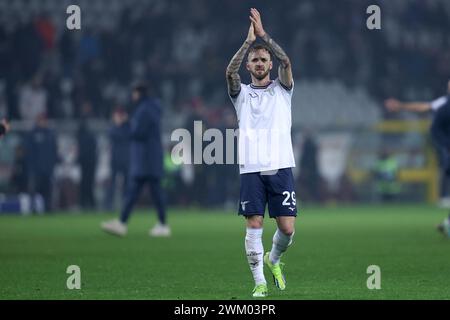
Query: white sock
[[255, 251], [280, 243]]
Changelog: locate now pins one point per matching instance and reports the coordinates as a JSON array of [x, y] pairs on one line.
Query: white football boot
[[160, 230], [114, 227]]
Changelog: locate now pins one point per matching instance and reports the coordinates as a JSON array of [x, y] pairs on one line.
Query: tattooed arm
[[284, 70], [233, 79]]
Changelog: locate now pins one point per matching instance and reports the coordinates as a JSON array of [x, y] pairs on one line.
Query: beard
[[260, 76]]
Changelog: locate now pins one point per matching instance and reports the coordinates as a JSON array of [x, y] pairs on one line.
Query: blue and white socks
[[280, 244], [255, 252]]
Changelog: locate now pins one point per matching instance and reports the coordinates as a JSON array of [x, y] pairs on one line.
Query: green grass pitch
[[205, 258]]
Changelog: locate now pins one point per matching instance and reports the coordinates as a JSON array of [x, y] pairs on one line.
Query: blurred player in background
[[264, 106], [120, 153], [146, 163], [42, 155], [87, 157], [440, 132], [4, 127]]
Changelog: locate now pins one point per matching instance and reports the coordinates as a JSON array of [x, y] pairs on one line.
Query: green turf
[[205, 258]]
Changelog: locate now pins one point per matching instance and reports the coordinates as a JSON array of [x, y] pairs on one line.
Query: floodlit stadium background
[[343, 72]]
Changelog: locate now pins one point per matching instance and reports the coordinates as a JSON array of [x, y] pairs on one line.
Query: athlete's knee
[[254, 222], [287, 230], [286, 225]]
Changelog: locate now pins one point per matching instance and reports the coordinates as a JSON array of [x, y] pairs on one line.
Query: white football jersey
[[264, 117]]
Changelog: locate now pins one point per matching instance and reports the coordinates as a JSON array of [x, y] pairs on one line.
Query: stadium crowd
[[182, 47], [46, 67]]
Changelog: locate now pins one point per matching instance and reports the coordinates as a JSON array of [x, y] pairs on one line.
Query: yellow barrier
[[429, 175], [399, 126]]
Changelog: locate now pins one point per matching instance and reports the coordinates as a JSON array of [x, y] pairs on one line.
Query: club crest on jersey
[[243, 203], [253, 94], [271, 91]]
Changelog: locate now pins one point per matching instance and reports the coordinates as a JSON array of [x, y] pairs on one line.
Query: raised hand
[[255, 17], [251, 34], [392, 104], [5, 124], [232, 75]]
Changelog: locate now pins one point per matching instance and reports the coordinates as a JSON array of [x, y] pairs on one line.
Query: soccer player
[[120, 155], [146, 163], [4, 127], [265, 150], [440, 133], [42, 156]]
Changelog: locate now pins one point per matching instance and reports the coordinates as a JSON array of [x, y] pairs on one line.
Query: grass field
[[205, 258]]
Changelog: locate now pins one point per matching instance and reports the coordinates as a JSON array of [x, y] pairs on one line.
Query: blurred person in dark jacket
[[19, 173], [87, 158], [146, 163], [309, 178], [42, 156], [119, 139]]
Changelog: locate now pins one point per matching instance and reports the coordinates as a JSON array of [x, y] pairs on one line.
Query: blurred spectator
[[172, 181], [87, 158], [119, 138], [386, 177], [197, 111], [227, 174], [20, 173], [119, 43], [27, 50], [42, 157], [46, 30], [68, 54], [33, 99], [137, 40], [309, 178]]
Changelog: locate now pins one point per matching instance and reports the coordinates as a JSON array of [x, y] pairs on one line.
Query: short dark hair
[[260, 46], [141, 88]]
